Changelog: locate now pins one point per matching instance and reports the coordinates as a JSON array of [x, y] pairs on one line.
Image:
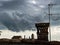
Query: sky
[[19, 17]]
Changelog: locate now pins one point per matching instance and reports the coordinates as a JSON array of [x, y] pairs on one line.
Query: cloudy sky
[[18, 17]]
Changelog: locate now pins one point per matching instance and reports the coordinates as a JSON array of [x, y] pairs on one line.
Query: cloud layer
[[20, 15]]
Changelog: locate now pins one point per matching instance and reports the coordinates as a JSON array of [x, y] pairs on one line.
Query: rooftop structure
[[42, 31]]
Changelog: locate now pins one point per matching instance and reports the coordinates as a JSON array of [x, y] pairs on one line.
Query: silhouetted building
[[17, 37], [42, 31]]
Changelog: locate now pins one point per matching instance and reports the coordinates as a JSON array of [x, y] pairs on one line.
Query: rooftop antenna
[[49, 13]]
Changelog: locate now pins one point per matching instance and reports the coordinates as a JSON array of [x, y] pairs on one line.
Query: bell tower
[[42, 31]]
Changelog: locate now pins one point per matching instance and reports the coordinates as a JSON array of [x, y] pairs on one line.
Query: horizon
[[9, 34]]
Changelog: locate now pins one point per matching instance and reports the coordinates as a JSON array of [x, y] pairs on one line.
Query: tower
[[42, 31]]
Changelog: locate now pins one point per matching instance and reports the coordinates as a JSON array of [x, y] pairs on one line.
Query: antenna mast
[[49, 13]]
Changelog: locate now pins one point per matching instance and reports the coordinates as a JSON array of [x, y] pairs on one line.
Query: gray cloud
[[8, 22], [57, 2], [25, 22], [19, 15], [12, 4]]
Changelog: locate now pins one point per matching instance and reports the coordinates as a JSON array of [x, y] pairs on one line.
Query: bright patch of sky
[[9, 34]]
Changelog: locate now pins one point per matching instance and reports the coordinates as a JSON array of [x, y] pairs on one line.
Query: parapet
[[42, 24]]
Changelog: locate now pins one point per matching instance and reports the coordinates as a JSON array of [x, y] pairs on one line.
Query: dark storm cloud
[[20, 15], [8, 22], [12, 4], [57, 2], [25, 21]]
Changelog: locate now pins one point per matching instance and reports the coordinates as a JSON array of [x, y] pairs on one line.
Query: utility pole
[[49, 13]]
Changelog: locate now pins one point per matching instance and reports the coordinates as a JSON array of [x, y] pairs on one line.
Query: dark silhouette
[[42, 37]]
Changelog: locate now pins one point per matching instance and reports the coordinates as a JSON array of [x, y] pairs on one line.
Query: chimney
[[32, 36]]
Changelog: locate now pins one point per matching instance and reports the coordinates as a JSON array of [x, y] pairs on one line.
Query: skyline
[[21, 15]]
